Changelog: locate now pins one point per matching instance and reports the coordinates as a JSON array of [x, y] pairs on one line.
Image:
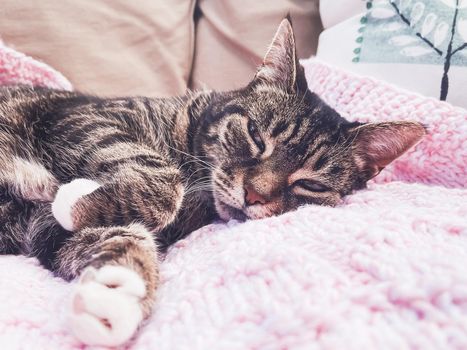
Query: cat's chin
[[227, 212]]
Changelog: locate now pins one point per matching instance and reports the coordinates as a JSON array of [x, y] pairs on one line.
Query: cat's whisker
[[199, 185], [164, 142], [205, 184], [199, 190], [202, 167], [198, 180]]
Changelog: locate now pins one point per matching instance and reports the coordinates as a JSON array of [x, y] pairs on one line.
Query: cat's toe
[[67, 195], [105, 308]]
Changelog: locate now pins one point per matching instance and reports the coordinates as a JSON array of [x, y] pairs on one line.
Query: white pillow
[[405, 42]]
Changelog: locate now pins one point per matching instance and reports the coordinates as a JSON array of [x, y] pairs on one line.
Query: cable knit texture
[[385, 270], [17, 68]]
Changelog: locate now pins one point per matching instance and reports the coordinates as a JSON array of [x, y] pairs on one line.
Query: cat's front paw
[[105, 308], [67, 195]]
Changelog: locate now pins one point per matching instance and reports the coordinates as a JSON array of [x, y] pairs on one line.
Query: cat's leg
[[23, 183], [28, 179], [140, 188], [22, 173], [11, 230], [118, 276]]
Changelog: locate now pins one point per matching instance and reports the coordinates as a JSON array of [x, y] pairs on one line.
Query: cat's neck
[[176, 125]]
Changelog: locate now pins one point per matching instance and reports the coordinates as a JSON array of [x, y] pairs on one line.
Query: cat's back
[[25, 104], [23, 95], [61, 121]]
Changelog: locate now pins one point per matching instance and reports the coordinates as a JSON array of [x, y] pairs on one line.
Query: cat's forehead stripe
[[279, 128], [234, 109], [296, 129]]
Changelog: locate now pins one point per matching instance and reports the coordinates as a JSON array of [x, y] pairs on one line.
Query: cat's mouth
[[227, 212], [230, 205]]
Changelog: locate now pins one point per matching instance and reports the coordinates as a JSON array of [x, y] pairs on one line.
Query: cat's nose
[[253, 197]]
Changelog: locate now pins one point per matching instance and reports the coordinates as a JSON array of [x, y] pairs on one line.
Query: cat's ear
[[280, 65], [375, 145]]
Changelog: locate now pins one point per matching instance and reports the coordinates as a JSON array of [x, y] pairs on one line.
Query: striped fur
[[168, 166]]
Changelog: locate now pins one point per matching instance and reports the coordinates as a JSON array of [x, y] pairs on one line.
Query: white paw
[[67, 195], [105, 307]]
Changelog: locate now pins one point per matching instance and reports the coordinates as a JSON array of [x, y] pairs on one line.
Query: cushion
[[107, 47], [415, 44], [232, 37]]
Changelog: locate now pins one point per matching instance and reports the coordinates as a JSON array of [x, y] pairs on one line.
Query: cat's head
[[275, 146]]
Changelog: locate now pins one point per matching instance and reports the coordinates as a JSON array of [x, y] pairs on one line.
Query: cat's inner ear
[[280, 65], [376, 145]]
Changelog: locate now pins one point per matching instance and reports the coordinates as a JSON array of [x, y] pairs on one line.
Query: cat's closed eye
[[312, 186], [255, 136]]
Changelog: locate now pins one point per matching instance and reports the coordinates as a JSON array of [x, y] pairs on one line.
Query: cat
[[96, 188]]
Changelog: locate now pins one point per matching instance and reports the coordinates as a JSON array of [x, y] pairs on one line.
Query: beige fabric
[[146, 47], [110, 47], [232, 37]]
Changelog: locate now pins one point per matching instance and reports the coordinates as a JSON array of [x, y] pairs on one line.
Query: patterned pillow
[[420, 45]]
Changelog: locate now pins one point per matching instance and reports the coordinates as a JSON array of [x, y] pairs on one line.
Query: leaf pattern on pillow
[[419, 32]]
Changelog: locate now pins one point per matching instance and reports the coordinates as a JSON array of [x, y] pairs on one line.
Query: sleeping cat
[[95, 188]]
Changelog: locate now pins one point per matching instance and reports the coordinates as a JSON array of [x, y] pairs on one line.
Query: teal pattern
[[414, 31]]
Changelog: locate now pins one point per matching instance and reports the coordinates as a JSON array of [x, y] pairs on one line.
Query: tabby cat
[[96, 187]]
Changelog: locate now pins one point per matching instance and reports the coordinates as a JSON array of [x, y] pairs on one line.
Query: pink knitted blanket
[[17, 68], [386, 270]]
